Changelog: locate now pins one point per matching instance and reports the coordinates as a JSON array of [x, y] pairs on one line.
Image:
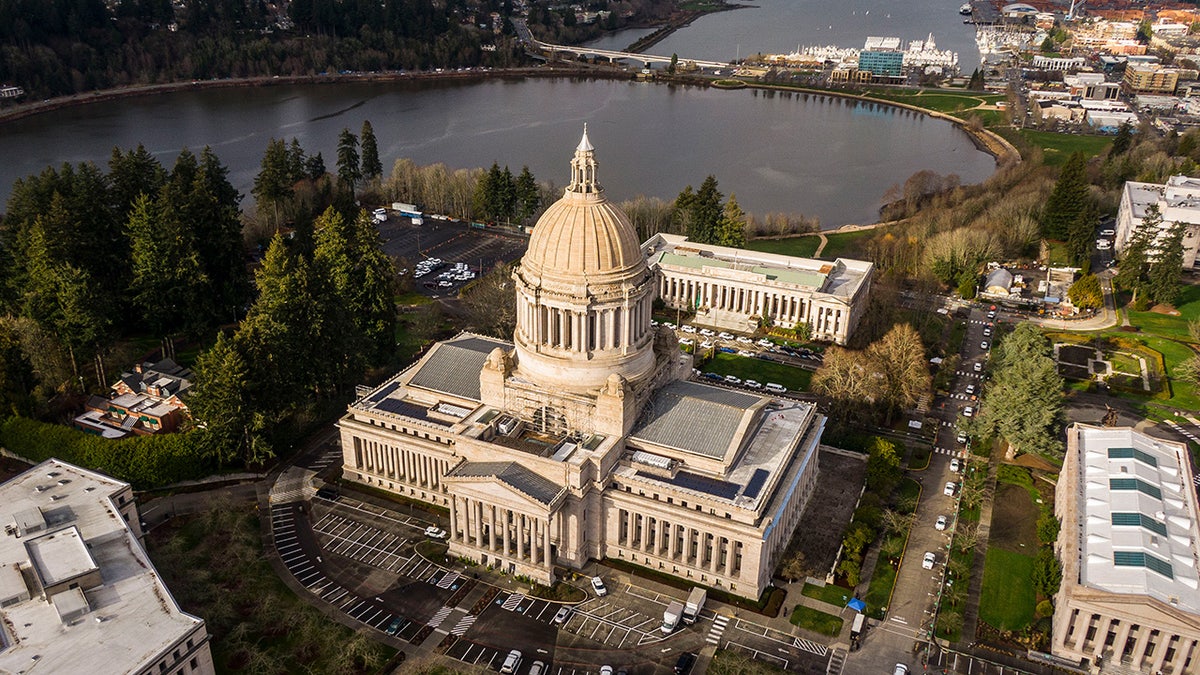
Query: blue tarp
[[857, 605]]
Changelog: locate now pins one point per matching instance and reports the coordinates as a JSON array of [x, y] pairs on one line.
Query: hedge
[[143, 461]]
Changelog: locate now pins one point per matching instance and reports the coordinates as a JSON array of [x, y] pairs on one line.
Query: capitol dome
[[584, 291], [582, 235]]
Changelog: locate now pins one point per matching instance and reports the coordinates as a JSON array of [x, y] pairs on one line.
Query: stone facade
[[583, 439]]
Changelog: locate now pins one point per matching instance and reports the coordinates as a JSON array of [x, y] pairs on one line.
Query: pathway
[[821, 246]]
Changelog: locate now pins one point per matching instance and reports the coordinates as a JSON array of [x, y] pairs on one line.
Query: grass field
[[847, 244], [1058, 253], [1183, 395], [879, 591], [939, 100], [834, 595], [795, 379], [1169, 326], [1056, 148], [818, 622], [1124, 363], [801, 247], [1007, 600]]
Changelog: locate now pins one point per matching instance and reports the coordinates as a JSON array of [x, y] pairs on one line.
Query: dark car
[[328, 493], [684, 665]]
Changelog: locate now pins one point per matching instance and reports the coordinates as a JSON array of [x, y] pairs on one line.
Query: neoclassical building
[[736, 288], [1130, 594], [582, 438]]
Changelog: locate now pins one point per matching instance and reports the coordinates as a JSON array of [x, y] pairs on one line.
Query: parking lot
[[363, 543], [480, 250]]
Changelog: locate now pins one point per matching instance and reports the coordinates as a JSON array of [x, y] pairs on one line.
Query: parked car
[[396, 625], [751, 384], [1108, 233], [599, 587], [978, 367], [984, 345], [725, 336], [940, 524], [745, 340], [434, 532], [955, 465], [743, 352], [707, 333], [901, 669], [731, 379], [707, 344], [687, 341], [968, 411], [765, 344], [684, 665], [775, 388], [950, 489], [688, 329], [970, 390], [929, 560], [562, 615], [987, 332], [511, 662], [538, 668], [962, 438]]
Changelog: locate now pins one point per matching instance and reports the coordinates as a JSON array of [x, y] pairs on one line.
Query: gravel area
[[819, 534]]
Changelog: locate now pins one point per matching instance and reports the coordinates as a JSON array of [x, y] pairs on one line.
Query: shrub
[[1044, 609], [143, 461], [1047, 528], [1047, 572]]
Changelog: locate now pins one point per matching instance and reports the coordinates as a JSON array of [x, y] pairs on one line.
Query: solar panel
[[402, 407], [756, 483], [698, 483], [384, 393]]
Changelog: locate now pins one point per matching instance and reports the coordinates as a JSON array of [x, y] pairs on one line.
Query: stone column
[[1122, 638], [479, 523], [1101, 635], [671, 548], [1181, 655], [548, 561], [648, 530], [1160, 652], [505, 518], [492, 529], [1081, 634], [520, 518], [453, 518], [1139, 647]]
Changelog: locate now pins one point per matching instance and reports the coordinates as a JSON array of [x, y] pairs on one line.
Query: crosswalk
[[811, 647], [718, 629], [1191, 437], [951, 453], [513, 601], [464, 624], [441, 615], [448, 579], [836, 663]]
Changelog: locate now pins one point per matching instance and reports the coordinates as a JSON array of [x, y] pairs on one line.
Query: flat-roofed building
[[1151, 78], [1178, 201], [735, 288], [78, 594], [581, 438], [1130, 594]]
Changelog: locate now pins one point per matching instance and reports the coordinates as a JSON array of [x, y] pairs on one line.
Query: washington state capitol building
[[582, 438]]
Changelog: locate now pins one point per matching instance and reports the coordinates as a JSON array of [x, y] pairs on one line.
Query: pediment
[[491, 490]]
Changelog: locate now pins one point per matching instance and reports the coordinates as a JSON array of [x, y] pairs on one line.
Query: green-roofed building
[[735, 289]]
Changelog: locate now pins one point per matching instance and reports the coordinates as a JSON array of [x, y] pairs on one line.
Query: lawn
[[1123, 363], [818, 622], [834, 595], [795, 379], [847, 244], [879, 591], [1057, 253], [1057, 147], [1183, 395], [1169, 326], [939, 100], [801, 247], [1007, 600]]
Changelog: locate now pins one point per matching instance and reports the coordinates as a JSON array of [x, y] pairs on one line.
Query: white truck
[[695, 603], [671, 616]]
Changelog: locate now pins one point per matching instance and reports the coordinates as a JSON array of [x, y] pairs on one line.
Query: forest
[[60, 47]]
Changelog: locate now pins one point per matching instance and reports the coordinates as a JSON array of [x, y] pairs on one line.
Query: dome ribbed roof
[[582, 234]]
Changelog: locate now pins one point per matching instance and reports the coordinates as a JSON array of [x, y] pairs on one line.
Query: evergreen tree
[[130, 174], [273, 184], [1068, 199], [222, 404], [1165, 276], [681, 212], [732, 228], [528, 195], [1079, 234], [1135, 263], [706, 213], [167, 283], [1024, 403], [1123, 140], [347, 161], [506, 195], [976, 81], [212, 207], [296, 164], [1086, 293], [349, 255], [372, 168], [315, 167]]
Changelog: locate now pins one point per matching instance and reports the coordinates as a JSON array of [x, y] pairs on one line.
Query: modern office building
[[1130, 595], [78, 593], [1178, 202], [882, 62], [1151, 78], [581, 438], [736, 289]]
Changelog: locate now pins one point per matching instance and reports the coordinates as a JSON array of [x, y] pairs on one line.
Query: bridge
[[527, 37]]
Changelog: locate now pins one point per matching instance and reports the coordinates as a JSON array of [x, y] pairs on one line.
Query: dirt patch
[[1165, 309], [1014, 520], [1075, 355], [1072, 372], [841, 480]]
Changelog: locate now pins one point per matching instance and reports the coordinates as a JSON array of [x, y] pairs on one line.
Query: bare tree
[[491, 304]]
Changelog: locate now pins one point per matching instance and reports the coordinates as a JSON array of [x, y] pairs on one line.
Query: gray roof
[[453, 366], [694, 417], [515, 476]]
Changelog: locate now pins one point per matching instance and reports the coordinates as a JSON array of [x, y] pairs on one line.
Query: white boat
[[965, 9]]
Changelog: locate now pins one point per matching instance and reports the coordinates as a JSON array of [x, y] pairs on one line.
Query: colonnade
[[492, 528], [686, 544], [399, 464], [584, 330], [782, 307], [1120, 640]]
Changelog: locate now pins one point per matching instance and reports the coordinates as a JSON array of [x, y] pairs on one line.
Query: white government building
[[582, 438], [1130, 595], [1178, 201], [78, 594], [734, 288]]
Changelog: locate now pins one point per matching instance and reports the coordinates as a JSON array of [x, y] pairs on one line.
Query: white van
[[511, 662], [775, 388]]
